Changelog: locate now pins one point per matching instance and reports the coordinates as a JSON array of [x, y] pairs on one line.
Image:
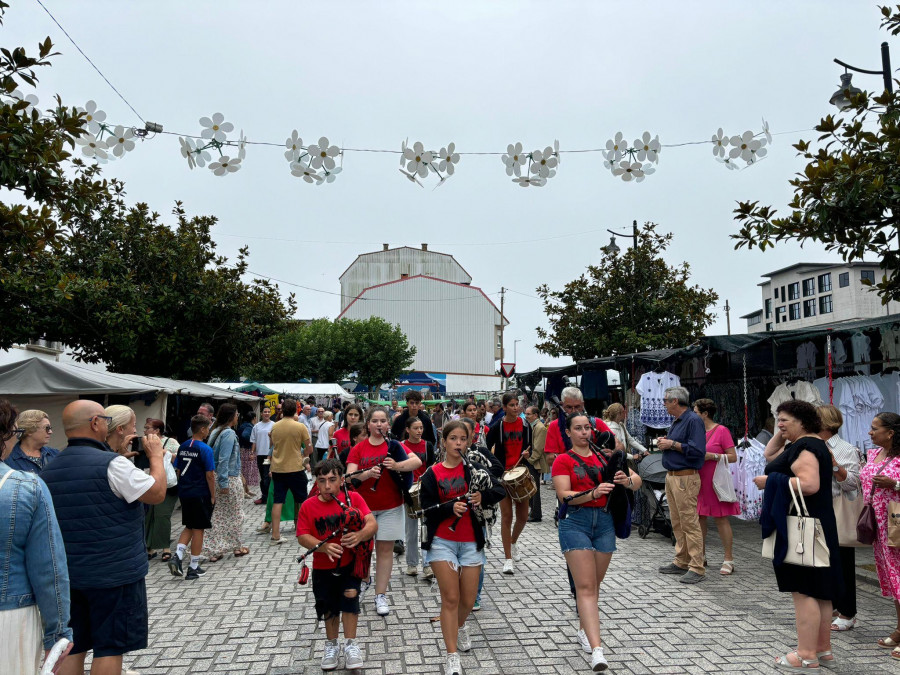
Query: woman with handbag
[[158, 517], [847, 505], [880, 479], [804, 465], [719, 444]]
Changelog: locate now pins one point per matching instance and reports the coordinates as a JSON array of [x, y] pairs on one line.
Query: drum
[[414, 506], [519, 484]]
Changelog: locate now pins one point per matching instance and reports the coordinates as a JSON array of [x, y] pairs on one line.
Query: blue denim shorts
[[587, 528], [457, 553]]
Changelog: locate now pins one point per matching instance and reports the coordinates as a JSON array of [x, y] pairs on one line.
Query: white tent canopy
[[298, 389]]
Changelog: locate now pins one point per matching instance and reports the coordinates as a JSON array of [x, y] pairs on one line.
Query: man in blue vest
[[97, 495]]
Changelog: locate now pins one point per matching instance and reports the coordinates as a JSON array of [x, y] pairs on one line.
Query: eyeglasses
[[102, 417], [19, 432], [47, 428]]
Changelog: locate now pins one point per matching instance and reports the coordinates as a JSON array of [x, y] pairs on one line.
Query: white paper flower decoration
[[757, 150], [322, 154], [294, 145], [647, 148], [242, 146], [215, 128], [91, 146], [629, 170], [121, 141], [188, 148], [30, 100], [530, 181], [542, 161], [514, 159], [720, 142], [766, 132], [225, 165], [93, 116], [449, 159], [308, 174], [615, 148], [412, 177], [417, 159], [331, 175], [729, 163], [741, 146]]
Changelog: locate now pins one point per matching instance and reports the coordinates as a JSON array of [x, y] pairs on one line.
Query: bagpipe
[[352, 520]]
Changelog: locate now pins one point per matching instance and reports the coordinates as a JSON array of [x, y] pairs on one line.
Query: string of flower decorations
[[321, 162]]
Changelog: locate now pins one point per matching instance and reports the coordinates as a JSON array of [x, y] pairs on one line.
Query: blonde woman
[[614, 416], [32, 452], [122, 428]]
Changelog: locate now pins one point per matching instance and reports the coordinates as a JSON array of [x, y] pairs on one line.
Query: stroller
[[654, 507]]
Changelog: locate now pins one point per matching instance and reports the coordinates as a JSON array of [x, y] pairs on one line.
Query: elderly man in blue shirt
[[684, 451]]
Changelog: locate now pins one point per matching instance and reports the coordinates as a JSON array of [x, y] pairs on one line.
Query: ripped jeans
[[457, 553]]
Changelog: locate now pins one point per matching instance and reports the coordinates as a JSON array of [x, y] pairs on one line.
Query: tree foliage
[[847, 198], [628, 303], [111, 281], [329, 351]]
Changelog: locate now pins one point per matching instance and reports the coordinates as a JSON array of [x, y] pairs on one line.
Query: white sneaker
[[381, 605], [463, 639], [427, 573], [353, 659], [332, 653], [515, 553], [583, 641], [598, 661], [508, 567], [412, 571], [453, 667]]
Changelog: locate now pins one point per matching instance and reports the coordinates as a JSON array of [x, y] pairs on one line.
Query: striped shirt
[[848, 457]]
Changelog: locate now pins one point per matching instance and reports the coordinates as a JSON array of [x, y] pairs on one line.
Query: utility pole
[[502, 298], [728, 316]]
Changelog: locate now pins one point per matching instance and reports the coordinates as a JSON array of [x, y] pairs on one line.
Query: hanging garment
[[633, 420], [838, 352], [751, 463], [890, 346], [889, 386], [799, 391], [652, 387], [861, 344], [806, 360], [859, 400]]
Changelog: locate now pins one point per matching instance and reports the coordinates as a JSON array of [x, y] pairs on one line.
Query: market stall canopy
[[248, 387], [298, 389], [38, 377]]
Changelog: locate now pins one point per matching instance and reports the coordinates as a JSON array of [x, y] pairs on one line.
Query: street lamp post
[[841, 98], [515, 344], [611, 248]]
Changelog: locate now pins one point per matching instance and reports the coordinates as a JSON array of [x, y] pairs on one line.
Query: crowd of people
[[361, 484]]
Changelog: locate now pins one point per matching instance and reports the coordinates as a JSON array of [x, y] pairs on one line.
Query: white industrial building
[[810, 294], [454, 326]]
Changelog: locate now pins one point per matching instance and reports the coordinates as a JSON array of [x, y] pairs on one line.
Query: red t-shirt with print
[[342, 438], [420, 450], [366, 455], [512, 435], [320, 519], [566, 465], [451, 484]]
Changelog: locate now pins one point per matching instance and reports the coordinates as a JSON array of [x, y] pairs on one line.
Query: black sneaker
[[399, 547], [195, 572], [692, 578], [672, 568], [175, 566]]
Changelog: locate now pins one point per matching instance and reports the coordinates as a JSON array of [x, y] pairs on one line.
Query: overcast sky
[[480, 74]]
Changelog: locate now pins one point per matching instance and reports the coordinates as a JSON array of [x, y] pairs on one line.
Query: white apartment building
[[811, 294]]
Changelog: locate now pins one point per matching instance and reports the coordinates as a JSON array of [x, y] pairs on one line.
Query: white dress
[[799, 391], [861, 344], [652, 387], [751, 463], [806, 360]]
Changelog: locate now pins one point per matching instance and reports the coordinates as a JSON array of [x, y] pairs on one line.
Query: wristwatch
[[836, 468]]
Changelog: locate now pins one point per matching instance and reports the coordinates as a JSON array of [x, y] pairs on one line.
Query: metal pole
[[886, 68], [502, 298], [634, 232], [728, 316]]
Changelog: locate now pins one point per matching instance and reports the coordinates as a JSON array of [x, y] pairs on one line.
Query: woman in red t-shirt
[[587, 535], [510, 439], [425, 452], [383, 496], [455, 538], [341, 439]]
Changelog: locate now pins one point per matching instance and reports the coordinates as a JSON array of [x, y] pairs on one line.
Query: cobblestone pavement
[[248, 615]]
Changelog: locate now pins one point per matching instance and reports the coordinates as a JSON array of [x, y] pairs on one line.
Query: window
[[825, 305], [844, 279], [775, 295], [779, 315], [768, 327], [755, 319], [794, 291], [867, 275], [809, 308], [794, 308], [783, 296], [769, 308], [825, 282], [809, 287]]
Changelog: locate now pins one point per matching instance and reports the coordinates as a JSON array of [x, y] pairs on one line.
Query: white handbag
[[722, 481], [806, 545], [171, 476]]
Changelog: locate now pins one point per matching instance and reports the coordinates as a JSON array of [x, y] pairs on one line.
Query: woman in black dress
[[798, 453]]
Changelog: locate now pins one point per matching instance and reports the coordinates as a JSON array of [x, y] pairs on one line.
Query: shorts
[[295, 481], [196, 512], [391, 524], [111, 621], [328, 591], [587, 528], [457, 553]]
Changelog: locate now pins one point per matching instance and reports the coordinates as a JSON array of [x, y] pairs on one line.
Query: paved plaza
[[248, 615]]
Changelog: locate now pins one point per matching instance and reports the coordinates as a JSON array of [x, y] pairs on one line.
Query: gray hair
[[571, 392], [680, 393]]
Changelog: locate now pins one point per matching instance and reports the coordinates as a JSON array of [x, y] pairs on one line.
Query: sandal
[[215, 558], [895, 653], [826, 659], [727, 568], [784, 662], [166, 557], [263, 529], [890, 642], [151, 556], [840, 624], [243, 550]]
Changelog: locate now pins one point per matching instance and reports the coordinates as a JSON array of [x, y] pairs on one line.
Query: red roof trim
[[411, 248], [421, 276]]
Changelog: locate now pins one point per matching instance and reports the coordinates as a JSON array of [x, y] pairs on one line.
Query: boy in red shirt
[[335, 588]]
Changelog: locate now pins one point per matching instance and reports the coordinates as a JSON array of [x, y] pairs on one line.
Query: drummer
[[510, 440], [424, 450]]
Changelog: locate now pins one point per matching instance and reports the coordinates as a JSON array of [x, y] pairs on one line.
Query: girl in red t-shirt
[[587, 534], [455, 537], [382, 495], [425, 452], [341, 441]]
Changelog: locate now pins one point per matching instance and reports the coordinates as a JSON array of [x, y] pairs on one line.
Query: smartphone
[[136, 444]]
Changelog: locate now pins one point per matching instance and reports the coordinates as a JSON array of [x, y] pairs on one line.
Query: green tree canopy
[[112, 281], [628, 303], [847, 198], [329, 351]]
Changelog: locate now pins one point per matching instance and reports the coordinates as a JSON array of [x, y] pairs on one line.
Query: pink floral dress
[[887, 559]]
